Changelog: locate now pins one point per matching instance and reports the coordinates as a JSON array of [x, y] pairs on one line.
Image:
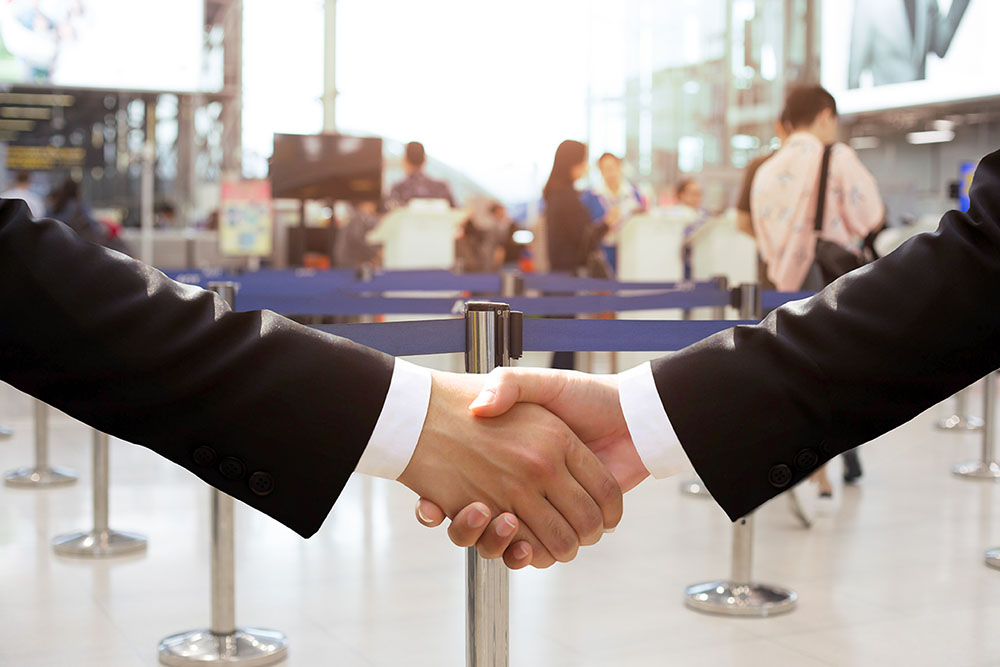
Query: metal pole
[[223, 565], [487, 345], [743, 550], [987, 467], [740, 596], [40, 475], [101, 542], [224, 642], [961, 420]]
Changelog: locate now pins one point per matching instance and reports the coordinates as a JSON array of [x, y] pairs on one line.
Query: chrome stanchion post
[[224, 643], [987, 467], [961, 420], [40, 475], [740, 595], [101, 542], [511, 284], [492, 337]]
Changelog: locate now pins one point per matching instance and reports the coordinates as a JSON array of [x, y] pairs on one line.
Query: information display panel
[[886, 54], [116, 44]]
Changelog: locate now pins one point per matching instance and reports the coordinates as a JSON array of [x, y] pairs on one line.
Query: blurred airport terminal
[[360, 163]]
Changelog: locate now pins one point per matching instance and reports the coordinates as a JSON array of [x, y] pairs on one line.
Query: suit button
[[806, 460], [204, 456], [780, 476], [827, 448], [261, 483], [232, 468]]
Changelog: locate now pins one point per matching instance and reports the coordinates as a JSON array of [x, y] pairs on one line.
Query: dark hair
[[569, 154], [23, 177], [609, 155], [682, 185], [68, 192], [805, 103], [415, 154]]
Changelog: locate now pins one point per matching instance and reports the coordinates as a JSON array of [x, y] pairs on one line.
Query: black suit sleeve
[[119, 346], [759, 408]]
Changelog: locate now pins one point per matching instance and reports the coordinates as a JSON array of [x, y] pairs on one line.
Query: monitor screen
[[116, 44], [326, 166], [887, 54]]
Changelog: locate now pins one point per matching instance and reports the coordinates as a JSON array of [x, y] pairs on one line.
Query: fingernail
[[420, 514], [608, 530], [521, 551], [506, 527], [478, 519], [486, 397]]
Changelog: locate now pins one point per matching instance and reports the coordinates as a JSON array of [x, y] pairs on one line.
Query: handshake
[[529, 464]]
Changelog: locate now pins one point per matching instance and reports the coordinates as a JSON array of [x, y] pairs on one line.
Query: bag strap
[[824, 175]]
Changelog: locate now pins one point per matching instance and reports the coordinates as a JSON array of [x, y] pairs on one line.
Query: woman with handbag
[[813, 205], [573, 241]]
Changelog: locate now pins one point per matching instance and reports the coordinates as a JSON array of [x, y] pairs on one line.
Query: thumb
[[506, 387]]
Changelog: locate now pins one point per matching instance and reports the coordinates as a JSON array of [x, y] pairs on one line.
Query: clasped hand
[[529, 465]]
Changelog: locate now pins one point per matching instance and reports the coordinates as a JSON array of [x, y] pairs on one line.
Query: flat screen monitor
[[116, 44], [890, 54], [326, 166]]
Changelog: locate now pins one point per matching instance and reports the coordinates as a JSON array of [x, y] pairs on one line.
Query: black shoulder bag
[[831, 260]]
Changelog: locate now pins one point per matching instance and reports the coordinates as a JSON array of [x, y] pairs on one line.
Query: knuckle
[[564, 544]]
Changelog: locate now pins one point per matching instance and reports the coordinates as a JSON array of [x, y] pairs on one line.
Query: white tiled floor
[[896, 578]]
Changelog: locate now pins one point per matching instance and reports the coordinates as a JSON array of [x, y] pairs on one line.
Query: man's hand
[[526, 462], [588, 404]]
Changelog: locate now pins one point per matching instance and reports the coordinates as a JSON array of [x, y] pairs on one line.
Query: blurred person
[[68, 207], [506, 252], [351, 248], [787, 206], [612, 202], [743, 222], [689, 198], [891, 39], [22, 190], [417, 184], [166, 216], [572, 238]]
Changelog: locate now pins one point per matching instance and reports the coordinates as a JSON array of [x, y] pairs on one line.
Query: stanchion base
[[6, 432], [729, 599], [695, 487], [993, 558], [958, 423], [250, 647], [39, 477], [978, 470], [99, 544]]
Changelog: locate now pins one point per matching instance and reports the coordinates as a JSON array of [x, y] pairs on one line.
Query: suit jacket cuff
[[399, 425], [653, 435]]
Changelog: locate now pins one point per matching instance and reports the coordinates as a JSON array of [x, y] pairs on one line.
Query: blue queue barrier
[[539, 335], [342, 304], [293, 281]]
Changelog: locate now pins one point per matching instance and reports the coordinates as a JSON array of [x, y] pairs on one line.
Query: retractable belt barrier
[[447, 336], [340, 304], [298, 281]]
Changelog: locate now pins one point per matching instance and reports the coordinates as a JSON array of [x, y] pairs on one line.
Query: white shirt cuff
[[399, 425], [653, 435]]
